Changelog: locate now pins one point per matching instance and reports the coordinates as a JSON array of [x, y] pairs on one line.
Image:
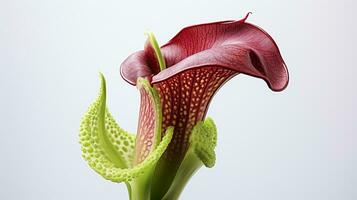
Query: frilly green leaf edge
[[203, 141], [108, 149]]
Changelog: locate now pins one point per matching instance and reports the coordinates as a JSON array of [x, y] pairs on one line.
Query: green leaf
[[108, 149], [105, 146]]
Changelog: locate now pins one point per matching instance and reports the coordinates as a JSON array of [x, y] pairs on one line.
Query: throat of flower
[[156, 47]]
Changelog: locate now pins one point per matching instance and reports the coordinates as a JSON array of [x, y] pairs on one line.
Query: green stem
[[163, 177], [141, 187], [189, 166]]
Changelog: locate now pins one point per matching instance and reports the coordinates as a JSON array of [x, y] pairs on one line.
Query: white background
[[297, 144]]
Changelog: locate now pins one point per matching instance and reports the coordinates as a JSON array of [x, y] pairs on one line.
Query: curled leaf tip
[[106, 147], [249, 13], [246, 16], [101, 76]]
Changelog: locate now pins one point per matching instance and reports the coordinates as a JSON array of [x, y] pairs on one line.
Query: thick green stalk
[[203, 141], [141, 187], [164, 174], [189, 166]]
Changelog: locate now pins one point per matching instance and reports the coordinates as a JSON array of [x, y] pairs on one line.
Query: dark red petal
[[238, 46], [196, 38], [140, 64], [136, 65]]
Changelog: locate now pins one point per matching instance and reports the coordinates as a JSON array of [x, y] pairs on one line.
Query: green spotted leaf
[[108, 149]]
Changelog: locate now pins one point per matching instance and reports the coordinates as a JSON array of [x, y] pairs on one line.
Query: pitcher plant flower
[[176, 83]]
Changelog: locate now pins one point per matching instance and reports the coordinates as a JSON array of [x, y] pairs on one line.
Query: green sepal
[[105, 146], [108, 149]]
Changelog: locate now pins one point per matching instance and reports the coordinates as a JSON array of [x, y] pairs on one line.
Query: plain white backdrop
[[297, 144]]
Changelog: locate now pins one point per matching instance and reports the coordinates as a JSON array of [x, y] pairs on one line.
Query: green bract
[[108, 149]]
